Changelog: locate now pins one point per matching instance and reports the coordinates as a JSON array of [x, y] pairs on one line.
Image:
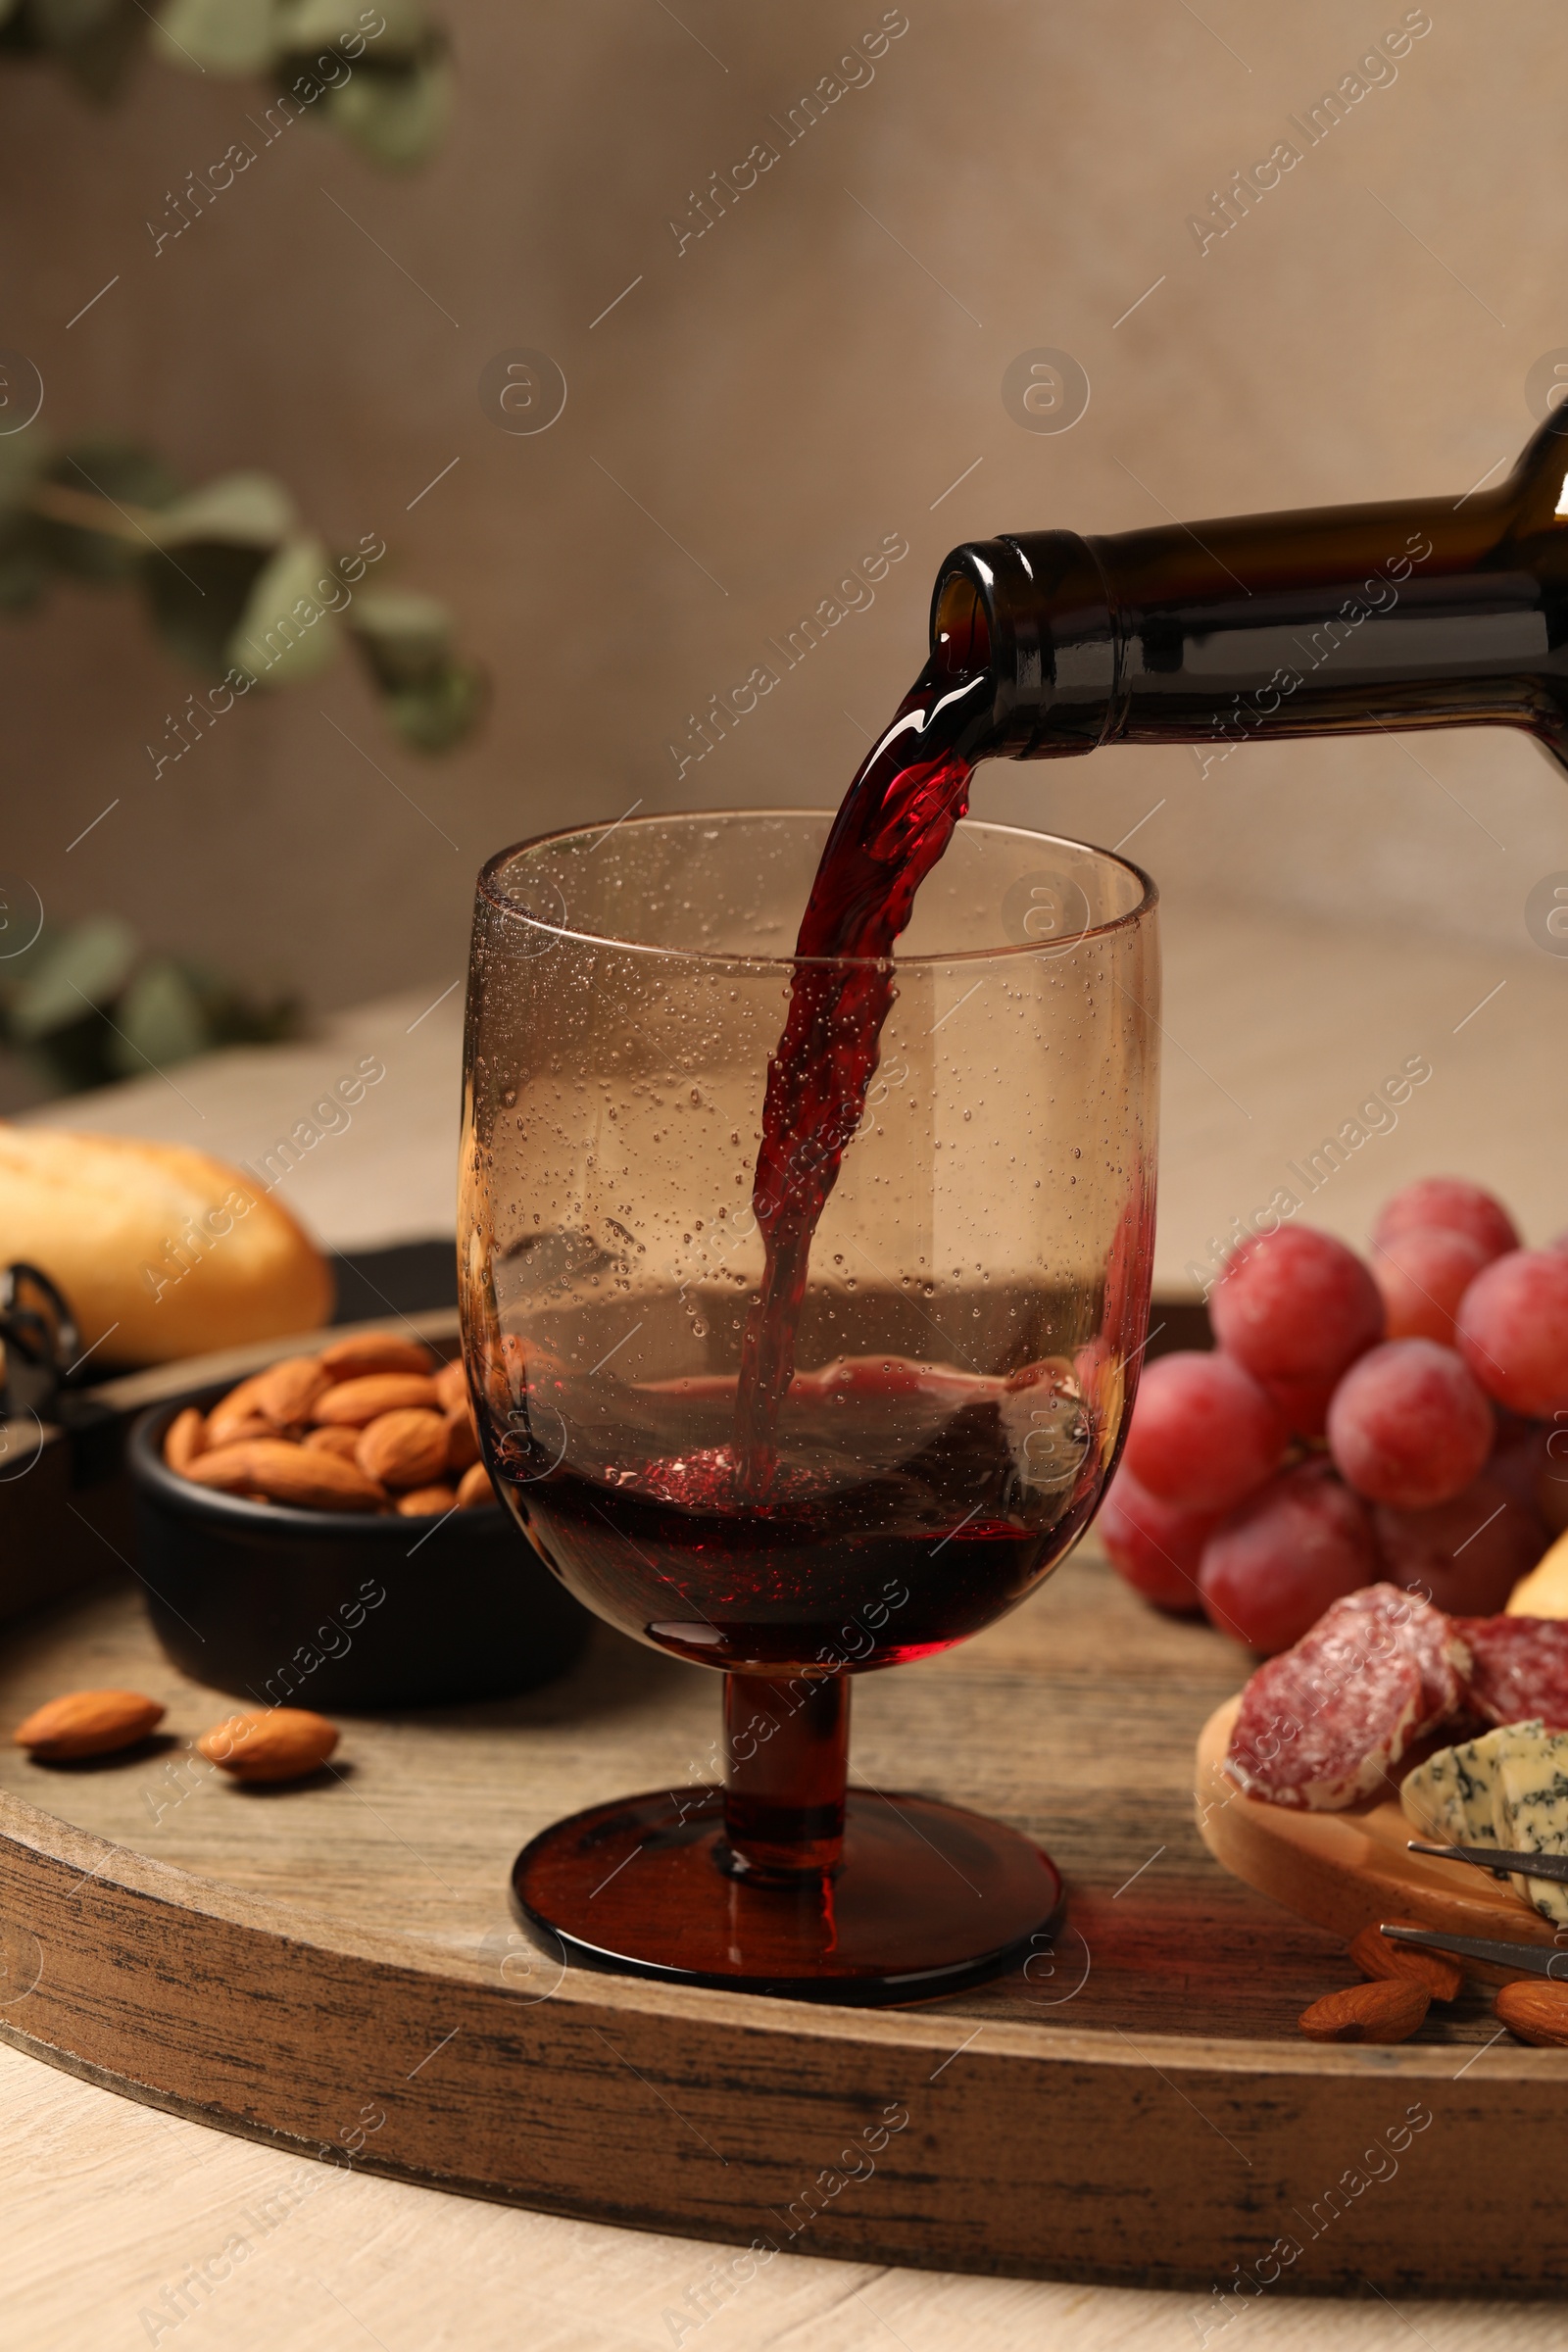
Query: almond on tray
[[269, 1743], [88, 1723], [373, 1423]]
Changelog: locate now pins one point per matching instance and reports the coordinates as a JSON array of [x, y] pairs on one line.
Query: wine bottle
[[1412, 613]]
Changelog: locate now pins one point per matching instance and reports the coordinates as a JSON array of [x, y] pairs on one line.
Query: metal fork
[[1501, 1864], [1530, 1959]]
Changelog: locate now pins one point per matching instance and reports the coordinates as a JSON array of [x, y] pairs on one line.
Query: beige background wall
[[798, 383]]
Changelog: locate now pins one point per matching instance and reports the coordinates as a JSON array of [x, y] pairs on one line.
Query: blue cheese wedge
[[1449, 1798], [1530, 1810]]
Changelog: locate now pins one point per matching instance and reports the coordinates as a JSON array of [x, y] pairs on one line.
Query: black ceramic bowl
[[339, 1610]]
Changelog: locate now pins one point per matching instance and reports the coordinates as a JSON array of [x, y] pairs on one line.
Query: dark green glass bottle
[[1415, 613]]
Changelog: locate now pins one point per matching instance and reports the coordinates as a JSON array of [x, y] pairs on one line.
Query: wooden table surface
[[1277, 1032]]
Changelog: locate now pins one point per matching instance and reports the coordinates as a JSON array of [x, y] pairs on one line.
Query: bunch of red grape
[[1406, 1422]]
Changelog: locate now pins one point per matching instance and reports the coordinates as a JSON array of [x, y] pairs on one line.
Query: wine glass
[[964, 1358]]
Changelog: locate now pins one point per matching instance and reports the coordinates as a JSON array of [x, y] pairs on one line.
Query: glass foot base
[[928, 1898]]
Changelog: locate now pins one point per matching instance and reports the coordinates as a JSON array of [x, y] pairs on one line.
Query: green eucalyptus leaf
[[21, 963], [224, 36], [240, 510], [397, 117], [439, 713], [86, 968], [197, 597], [388, 28], [126, 471], [160, 1021], [406, 636], [124, 475], [286, 633], [234, 1017]]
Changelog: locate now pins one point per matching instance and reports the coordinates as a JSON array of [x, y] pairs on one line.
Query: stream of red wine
[[896, 821]]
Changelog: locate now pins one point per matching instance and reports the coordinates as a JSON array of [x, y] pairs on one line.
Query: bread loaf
[[161, 1251]]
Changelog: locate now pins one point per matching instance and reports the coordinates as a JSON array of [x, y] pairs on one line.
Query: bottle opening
[[962, 632]]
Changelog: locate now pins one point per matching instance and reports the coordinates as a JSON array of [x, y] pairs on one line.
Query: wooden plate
[[332, 1968], [1350, 1870]]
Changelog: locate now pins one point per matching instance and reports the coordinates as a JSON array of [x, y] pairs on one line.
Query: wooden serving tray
[[1350, 1870], [332, 1967]]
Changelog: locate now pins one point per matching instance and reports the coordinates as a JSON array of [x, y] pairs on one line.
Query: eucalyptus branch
[[234, 583]]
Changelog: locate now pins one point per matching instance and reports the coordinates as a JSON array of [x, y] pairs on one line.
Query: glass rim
[[489, 889]]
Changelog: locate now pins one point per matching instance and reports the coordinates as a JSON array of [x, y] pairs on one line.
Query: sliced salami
[[1321, 1725], [1518, 1669], [1429, 1637]]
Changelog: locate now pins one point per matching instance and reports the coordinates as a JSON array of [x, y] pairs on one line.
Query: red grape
[[1203, 1433], [1513, 1331], [1273, 1567], [1408, 1426], [1154, 1545], [1296, 1308], [1530, 1462], [1518, 1454], [1467, 1554], [1451, 1204], [1423, 1275]]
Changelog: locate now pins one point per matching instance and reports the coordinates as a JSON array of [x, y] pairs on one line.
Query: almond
[[426, 1502], [312, 1481], [304, 1476], [227, 1468], [452, 1385], [1387, 2009], [185, 1438], [474, 1488], [285, 1395], [404, 1448], [374, 1352], [463, 1438], [1376, 1956], [1535, 2009], [356, 1403], [339, 1439], [88, 1723], [275, 1743], [230, 1410], [239, 1432]]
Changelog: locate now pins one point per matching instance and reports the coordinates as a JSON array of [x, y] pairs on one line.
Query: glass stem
[[786, 1758]]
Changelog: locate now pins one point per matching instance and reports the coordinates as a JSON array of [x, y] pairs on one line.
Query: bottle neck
[[1332, 620]]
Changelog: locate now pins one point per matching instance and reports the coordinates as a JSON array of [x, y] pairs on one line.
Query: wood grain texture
[[283, 1964]]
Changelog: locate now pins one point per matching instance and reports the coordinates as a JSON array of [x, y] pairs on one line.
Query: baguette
[[161, 1251]]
